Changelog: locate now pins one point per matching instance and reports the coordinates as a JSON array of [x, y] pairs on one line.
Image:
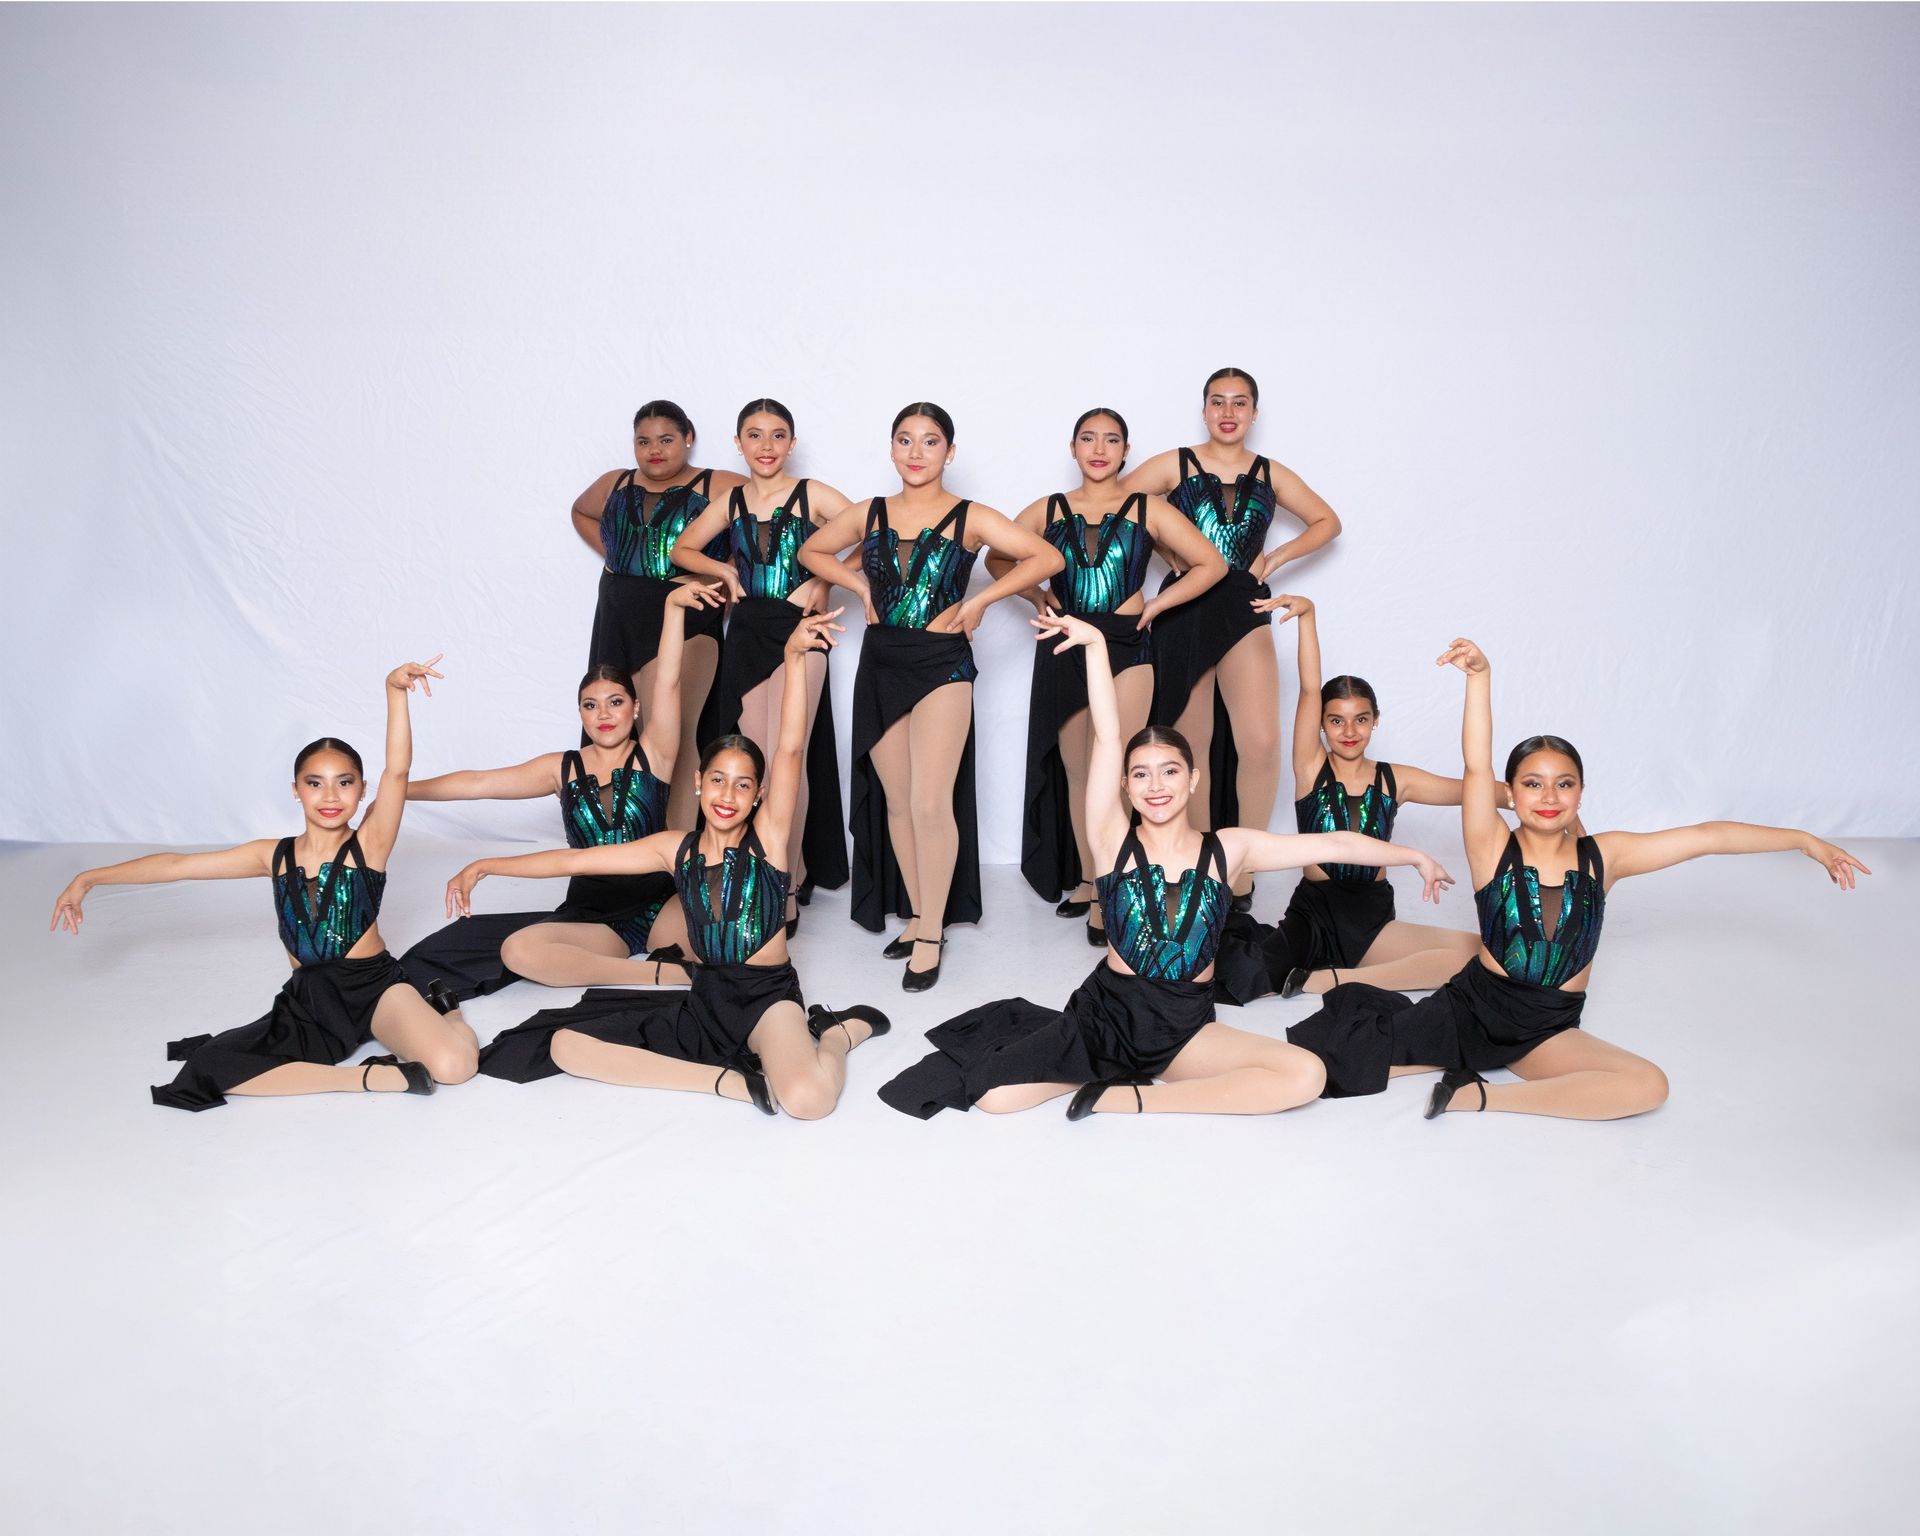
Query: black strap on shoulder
[[638, 755], [877, 515], [1262, 471], [737, 503], [1137, 500], [1191, 468], [282, 858], [1212, 851], [1058, 502], [701, 484], [957, 516], [625, 480], [799, 499], [1389, 785], [687, 846], [1592, 866], [1327, 776], [573, 767]]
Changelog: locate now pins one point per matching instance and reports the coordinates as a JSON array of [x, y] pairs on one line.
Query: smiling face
[[329, 789], [1159, 783], [660, 448], [607, 713], [921, 452], [1546, 791], [1348, 726], [1099, 448], [728, 789], [1229, 410], [764, 440]]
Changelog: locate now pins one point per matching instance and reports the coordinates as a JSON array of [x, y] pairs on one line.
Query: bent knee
[[452, 1064], [568, 1049], [997, 1101], [807, 1100], [1302, 1076], [517, 949], [1646, 1088]]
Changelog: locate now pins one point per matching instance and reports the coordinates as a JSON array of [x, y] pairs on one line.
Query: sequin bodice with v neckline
[[639, 806], [322, 917], [1239, 532], [934, 577], [769, 567], [1327, 807], [638, 541], [1155, 943], [1104, 569], [1510, 918], [752, 893]]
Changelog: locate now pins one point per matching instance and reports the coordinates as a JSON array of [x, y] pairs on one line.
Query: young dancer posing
[[915, 841], [632, 518], [345, 988], [613, 790], [762, 525], [1542, 895], [1105, 537], [741, 1032], [1340, 924], [1146, 1012], [1221, 644]]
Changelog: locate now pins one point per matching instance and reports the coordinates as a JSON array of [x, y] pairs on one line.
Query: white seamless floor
[[566, 1307]]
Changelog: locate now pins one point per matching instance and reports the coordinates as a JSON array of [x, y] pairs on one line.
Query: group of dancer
[[698, 826]]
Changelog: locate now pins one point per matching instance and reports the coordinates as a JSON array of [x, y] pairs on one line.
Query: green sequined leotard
[[733, 911], [1511, 923], [935, 575], [639, 541], [633, 806], [1159, 939], [323, 916], [1105, 566], [767, 553], [1327, 807], [1239, 533]]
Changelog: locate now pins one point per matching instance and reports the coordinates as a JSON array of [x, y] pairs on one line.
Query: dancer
[[1340, 924], [1146, 1012], [613, 790], [1542, 896], [1215, 675], [345, 988], [915, 842], [762, 525], [632, 518], [1105, 536], [744, 1016]]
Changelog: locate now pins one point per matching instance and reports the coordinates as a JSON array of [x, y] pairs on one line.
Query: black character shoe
[[901, 947], [1243, 903], [805, 894], [440, 996], [1071, 908], [419, 1079], [757, 1091], [1097, 937], [1081, 1105], [819, 1021], [1451, 1082], [922, 981], [793, 922]]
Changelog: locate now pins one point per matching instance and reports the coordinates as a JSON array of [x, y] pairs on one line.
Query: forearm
[[1317, 535], [398, 762], [149, 869], [1027, 574], [1103, 701], [552, 863], [589, 530], [1195, 580], [1357, 848], [1747, 837], [1476, 723], [1309, 664], [690, 560], [834, 571]]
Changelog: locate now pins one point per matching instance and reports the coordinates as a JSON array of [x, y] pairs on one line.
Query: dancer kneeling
[[744, 1016], [1542, 895], [1146, 1012], [345, 988]]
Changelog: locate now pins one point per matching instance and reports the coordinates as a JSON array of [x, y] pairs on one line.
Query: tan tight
[[1249, 681], [760, 723], [1135, 688], [918, 760], [1573, 1076], [1220, 1071], [407, 1025], [593, 955], [805, 1075], [1405, 957], [698, 663]]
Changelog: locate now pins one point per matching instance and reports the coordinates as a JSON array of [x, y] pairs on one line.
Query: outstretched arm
[[650, 855], [238, 863], [1249, 851], [524, 781], [660, 738], [1481, 828], [1641, 853], [1106, 759], [381, 825], [1034, 561], [815, 632], [1299, 498], [1418, 787]]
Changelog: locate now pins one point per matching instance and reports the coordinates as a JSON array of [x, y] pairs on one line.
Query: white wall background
[[1598, 327]]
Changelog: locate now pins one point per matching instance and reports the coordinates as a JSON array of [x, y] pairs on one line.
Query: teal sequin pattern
[[1511, 928], [779, 571], [1240, 534], [1327, 808], [730, 918], [1133, 904], [1117, 570], [640, 544], [638, 809], [323, 918], [935, 577]]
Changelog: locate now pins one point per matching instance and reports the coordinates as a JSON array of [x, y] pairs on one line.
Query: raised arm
[[1034, 561], [696, 536], [1032, 518], [588, 506], [1418, 787], [535, 777], [1299, 498], [1641, 853], [821, 554], [1249, 851], [1308, 753], [1156, 476], [381, 825], [1481, 827], [1106, 806], [1187, 550], [815, 632], [660, 737], [650, 855], [238, 863]]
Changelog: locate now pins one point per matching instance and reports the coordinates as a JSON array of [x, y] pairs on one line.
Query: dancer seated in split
[[1542, 894], [1105, 536], [345, 988], [742, 1032], [762, 525], [612, 930], [1222, 645], [915, 840], [632, 518], [1340, 924], [1146, 1012]]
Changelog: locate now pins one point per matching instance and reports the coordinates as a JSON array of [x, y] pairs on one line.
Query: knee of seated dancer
[[518, 949], [806, 1098], [453, 1062], [1304, 1074], [999, 1101], [569, 1049], [1645, 1087]]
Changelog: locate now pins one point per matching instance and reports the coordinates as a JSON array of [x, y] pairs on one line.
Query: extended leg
[[1227, 1071], [806, 1075], [298, 1077], [1405, 957], [1014, 1097], [587, 955], [1196, 724], [1250, 685], [1574, 1076], [893, 762], [937, 739], [628, 1066]]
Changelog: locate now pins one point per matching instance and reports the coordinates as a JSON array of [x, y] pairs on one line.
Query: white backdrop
[[1597, 326]]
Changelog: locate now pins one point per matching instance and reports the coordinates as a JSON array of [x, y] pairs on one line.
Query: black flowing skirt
[[627, 619], [709, 1024], [465, 955], [1478, 1019], [323, 1015], [1327, 923], [898, 668], [756, 649], [1048, 857], [1187, 641], [1114, 1026]]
